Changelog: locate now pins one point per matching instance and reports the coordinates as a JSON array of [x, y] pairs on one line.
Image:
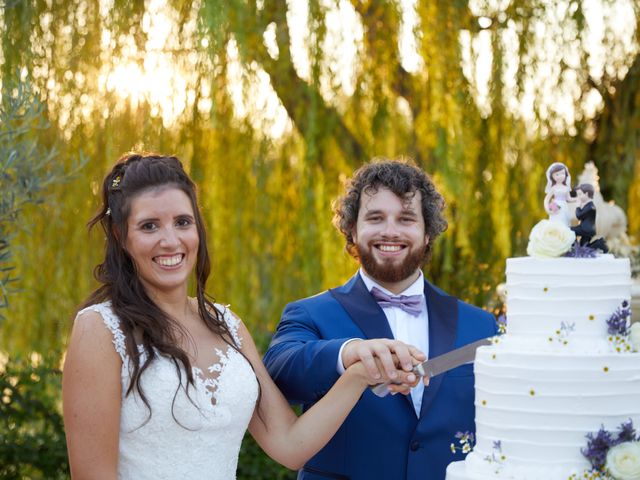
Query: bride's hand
[[405, 385], [402, 383]]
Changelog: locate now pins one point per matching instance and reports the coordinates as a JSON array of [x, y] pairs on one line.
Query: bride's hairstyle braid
[[141, 320]]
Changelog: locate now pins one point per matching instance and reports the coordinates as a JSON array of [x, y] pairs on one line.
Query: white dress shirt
[[404, 326]]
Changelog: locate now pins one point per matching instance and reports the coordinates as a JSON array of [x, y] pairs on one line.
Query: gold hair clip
[[115, 182]]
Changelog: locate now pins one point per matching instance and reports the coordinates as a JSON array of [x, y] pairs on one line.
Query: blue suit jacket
[[382, 438]]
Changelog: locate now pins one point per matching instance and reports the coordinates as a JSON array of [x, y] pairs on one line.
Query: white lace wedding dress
[[196, 436]]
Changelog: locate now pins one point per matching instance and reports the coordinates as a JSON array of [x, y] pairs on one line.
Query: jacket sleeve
[[301, 362]]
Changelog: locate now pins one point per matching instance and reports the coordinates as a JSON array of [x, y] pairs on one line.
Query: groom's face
[[390, 235]]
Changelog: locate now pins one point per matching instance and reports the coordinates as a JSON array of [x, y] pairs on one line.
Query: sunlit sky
[[167, 86], [169, 82]]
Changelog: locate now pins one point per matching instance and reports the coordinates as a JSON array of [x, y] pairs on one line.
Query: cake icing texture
[[556, 375]]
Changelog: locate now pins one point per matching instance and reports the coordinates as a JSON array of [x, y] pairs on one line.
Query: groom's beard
[[390, 271]]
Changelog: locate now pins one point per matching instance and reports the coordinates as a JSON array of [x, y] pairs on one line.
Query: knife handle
[[381, 390]]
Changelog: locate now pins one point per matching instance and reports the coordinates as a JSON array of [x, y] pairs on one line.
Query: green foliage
[[193, 83], [32, 443], [27, 169], [254, 464]]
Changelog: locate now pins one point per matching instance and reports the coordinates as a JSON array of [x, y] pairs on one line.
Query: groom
[[390, 216]]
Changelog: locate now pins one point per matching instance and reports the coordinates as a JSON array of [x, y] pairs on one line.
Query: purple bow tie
[[412, 304]]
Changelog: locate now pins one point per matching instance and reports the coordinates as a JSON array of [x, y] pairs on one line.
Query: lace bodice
[[196, 436], [560, 193], [561, 212]]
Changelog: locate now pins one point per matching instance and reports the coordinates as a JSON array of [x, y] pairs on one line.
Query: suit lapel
[[367, 314], [443, 323], [362, 308]]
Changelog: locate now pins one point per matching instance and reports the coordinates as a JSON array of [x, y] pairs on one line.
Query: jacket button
[[414, 446]]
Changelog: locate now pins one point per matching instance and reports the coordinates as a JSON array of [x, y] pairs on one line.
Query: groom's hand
[[382, 358]]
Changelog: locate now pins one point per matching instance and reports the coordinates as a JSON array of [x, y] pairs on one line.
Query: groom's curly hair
[[404, 178]]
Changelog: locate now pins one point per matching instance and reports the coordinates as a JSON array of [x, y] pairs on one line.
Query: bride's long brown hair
[[141, 320]]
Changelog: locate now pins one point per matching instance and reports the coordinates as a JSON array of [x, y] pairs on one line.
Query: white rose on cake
[[550, 239], [634, 336], [623, 461]]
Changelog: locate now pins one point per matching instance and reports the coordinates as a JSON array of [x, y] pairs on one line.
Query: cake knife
[[440, 364]]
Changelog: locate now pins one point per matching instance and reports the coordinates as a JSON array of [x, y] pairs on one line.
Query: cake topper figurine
[[586, 214], [557, 194]]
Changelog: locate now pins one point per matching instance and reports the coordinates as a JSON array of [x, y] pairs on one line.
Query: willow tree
[[555, 92], [271, 104]]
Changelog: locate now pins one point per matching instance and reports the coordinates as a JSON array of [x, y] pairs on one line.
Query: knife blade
[[440, 364]]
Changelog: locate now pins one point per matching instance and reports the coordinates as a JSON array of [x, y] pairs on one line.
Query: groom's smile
[[389, 248]]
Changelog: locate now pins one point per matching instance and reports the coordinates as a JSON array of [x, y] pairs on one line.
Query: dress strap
[[232, 321], [112, 322]]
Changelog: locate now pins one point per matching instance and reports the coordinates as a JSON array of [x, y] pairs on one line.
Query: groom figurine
[[390, 216], [586, 215]]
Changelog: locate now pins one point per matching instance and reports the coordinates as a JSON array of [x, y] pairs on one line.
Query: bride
[[160, 385], [557, 198]]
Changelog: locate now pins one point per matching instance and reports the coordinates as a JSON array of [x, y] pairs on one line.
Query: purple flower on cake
[[620, 330], [549, 239], [627, 432], [502, 323], [497, 457], [562, 334], [578, 251], [597, 447], [618, 323], [603, 453]]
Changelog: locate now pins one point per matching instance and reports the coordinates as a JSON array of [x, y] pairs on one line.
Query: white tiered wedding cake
[[556, 375]]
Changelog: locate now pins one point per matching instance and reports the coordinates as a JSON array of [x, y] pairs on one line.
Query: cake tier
[[564, 302], [468, 470], [539, 407]]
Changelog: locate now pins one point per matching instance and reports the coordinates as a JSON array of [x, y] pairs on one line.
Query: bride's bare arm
[[91, 392], [292, 440]]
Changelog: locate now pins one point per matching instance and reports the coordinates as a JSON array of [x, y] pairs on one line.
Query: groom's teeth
[[390, 248], [169, 261]]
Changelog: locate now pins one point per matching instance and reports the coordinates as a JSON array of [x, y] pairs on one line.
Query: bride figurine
[[557, 194]]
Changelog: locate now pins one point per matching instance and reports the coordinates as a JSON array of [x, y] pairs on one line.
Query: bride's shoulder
[[97, 315], [238, 329], [99, 323]]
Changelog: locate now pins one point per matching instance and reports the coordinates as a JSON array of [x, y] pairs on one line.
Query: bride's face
[[559, 176], [162, 238]]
